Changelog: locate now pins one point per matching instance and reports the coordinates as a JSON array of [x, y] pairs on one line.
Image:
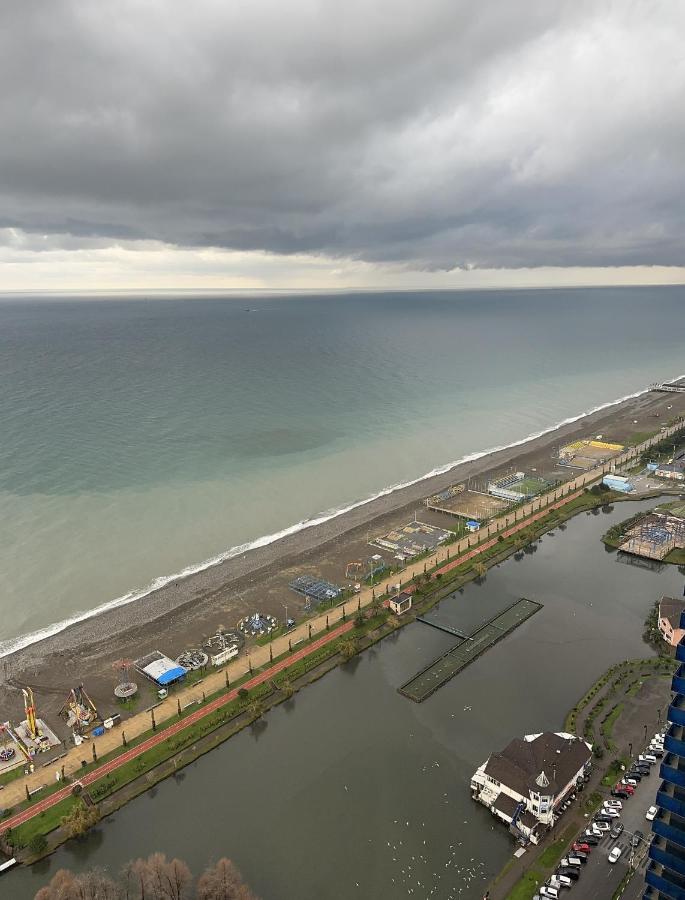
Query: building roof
[[670, 609], [160, 668], [507, 805], [521, 763]]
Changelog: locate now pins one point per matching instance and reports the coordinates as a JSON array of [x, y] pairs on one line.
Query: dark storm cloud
[[438, 133]]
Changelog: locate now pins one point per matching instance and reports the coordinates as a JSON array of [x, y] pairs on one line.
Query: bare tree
[[157, 878], [223, 881], [94, 885]]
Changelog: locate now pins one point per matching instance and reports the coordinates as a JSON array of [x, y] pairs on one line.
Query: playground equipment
[[79, 711], [194, 658], [33, 734], [125, 688], [8, 753], [257, 624], [353, 570]]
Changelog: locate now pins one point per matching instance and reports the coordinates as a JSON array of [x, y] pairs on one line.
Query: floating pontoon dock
[[446, 666]]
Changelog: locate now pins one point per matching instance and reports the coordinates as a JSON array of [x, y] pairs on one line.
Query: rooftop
[[670, 609], [521, 763]]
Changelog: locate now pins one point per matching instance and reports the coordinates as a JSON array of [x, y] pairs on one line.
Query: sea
[[145, 436]]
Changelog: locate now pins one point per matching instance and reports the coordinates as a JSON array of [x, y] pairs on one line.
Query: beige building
[[401, 603], [669, 620]]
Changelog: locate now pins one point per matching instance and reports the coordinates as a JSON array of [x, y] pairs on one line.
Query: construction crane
[[79, 710], [30, 710]]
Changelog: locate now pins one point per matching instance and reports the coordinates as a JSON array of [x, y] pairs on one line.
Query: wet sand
[[181, 614]]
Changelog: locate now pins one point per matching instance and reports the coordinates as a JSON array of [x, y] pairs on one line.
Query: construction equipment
[[79, 711], [30, 710]]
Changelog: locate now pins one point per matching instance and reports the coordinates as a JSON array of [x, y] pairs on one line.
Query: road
[[599, 878]]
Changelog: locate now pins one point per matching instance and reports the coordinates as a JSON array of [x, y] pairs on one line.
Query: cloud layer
[[435, 135]]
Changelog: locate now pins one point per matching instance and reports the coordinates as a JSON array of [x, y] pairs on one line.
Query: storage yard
[[412, 539], [587, 453]]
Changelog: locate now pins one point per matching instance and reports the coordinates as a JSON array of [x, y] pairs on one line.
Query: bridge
[[448, 628]]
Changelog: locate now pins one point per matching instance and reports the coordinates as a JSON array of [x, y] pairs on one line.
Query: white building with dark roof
[[524, 784]]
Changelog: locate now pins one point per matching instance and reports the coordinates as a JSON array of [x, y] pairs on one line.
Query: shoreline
[[183, 611], [12, 646]]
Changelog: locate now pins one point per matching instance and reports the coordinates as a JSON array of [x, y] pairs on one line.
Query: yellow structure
[[30, 709]]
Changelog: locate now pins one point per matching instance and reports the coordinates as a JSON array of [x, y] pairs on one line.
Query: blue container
[[98, 731]]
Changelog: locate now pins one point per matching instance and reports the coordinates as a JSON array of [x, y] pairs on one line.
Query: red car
[[579, 845], [628, 788]]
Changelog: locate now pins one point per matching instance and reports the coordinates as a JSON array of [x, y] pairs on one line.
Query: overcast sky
[[332, 144]]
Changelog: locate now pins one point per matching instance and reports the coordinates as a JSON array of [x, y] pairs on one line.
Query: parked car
[[647, 758], [611, 812], [581, 854], [615, 804], [573, 874], [569, 872], [629, 780], [590, 838], [581, 845], [616, 830], [546, 891], [657, 751], [624, 785], [614, 855], [621, 794], [570, 861], [635, 775], [602, 826], [605, 816], [560, 881], [651, 813], [637, 837]]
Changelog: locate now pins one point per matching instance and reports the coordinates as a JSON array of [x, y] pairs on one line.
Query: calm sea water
[[143, 436]]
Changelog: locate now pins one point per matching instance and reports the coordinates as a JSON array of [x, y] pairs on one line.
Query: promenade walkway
[[257, 657]]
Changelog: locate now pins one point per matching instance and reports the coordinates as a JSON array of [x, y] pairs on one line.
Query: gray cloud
[[438, 134]]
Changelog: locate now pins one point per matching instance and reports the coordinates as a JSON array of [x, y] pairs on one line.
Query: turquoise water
[[141, 437]]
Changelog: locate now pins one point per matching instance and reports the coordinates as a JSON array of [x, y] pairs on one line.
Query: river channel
[[351, 790]]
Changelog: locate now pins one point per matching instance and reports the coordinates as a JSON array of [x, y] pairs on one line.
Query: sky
[[319, 144]]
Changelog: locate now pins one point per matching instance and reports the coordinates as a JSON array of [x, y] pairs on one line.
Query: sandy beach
[[182, 613]]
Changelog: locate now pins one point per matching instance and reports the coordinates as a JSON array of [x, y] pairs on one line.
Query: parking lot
[[598, 877]]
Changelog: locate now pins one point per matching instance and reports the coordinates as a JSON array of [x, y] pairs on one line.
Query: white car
[[628, 780], [548, 891], [613, 804], [614, 855], [610, 811], [602, 826], [651, 813]]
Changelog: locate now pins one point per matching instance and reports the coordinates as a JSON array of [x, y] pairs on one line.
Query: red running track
[[166, 733], [524, 523]]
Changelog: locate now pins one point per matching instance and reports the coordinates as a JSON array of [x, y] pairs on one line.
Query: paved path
[[256, 657], [157, 738]]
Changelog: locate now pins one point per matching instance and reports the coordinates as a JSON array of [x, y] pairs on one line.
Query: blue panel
[[669, 773], [676, 715], [671, 832], [171, 675], [667, 888], [668, 860], [670, 803], [674, 745], [678, 682]]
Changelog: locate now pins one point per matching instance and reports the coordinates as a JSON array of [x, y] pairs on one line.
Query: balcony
[[670, 856], [671, 798], [670, 826], [672, 769], [674, 744], [680, 652], [676, 711], [669, 885]]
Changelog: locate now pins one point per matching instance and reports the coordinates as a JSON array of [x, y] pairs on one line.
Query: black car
[[581, 855], [616, 830], [644, 771], [622, 795], [637, 837], [600, 817], [572, 873], [633, 773], [590, 839]]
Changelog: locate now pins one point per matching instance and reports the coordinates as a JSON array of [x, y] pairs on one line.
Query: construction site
[[588, 453], [655, 536], [459, 501], [408, 541]]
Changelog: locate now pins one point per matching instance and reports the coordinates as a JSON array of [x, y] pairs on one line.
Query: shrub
[[38, 843]]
